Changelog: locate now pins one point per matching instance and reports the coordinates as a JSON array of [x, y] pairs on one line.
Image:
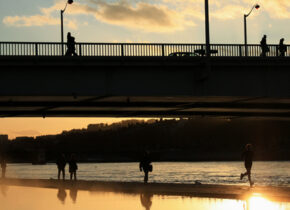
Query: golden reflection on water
[[257, 202], [26, 198]]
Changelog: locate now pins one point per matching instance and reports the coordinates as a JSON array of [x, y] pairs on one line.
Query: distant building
[[96, 127], [3, 138], [24, 138], [3, 143]]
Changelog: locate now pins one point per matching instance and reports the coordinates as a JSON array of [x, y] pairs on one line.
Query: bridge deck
[[154, 86]]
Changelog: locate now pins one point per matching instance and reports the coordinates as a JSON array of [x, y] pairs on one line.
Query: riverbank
[[277, 194]]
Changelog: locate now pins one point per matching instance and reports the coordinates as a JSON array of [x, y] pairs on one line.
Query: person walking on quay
[[145, 165], [248, 158], [282, 48], [264, 46], [73, 167], [3, 167], [61, 162], [70, 45]]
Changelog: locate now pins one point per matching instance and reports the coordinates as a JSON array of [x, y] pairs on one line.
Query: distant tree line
[[197, 139]]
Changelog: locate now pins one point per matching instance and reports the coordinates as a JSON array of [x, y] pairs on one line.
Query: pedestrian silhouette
[[145, 165], [146, 200], [61, 162], [70, 45], [282, 48], [73, 167], [247, 155], [3, 167], [264, 46]]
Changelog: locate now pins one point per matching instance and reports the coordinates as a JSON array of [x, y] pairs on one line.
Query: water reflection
[[73, 194], [146, 200], [256, 202], [61, 194], [79, 200], [4, 190]]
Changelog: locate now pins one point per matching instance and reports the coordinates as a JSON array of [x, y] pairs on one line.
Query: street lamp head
[[70, 1], [257, 6]]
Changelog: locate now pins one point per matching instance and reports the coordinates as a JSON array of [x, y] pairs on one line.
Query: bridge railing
[[130, 49]]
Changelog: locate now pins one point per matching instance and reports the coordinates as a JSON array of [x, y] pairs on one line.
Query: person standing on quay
[[145, 165], [3, 167], [248, 158], [61, 162], [73, 167]]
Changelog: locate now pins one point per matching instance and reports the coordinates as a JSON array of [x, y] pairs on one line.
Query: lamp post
[[207, 40], [256, 6], [61, 23]]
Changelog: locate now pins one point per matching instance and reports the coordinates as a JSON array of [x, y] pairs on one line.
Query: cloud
[[43, 19], [143, 16], [228, 12], [148, 15], [140, 15], [277, 9]]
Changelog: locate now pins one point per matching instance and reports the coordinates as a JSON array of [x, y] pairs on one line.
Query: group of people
[[144, 165], [247, 156], [73, 167], [282, 48]]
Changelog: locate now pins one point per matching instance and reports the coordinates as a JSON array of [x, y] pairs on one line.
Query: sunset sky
[[41, 126], [133, 21], [143, 20]]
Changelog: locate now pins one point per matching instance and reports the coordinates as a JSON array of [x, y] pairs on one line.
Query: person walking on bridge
[[70, 45], [282, 48], [264, 46], [247, 155]]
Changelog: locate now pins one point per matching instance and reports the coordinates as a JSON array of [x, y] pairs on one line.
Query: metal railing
[[131, 49]]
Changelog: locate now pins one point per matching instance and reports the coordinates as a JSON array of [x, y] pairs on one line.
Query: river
[[276, 173]]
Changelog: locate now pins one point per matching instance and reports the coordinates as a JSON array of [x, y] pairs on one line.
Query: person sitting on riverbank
[[248, 158], [73, 167], [145, 165], [61, 162], [3, 167]]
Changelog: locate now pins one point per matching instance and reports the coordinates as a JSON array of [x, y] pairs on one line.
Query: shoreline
[[158, 161], [239, 192]]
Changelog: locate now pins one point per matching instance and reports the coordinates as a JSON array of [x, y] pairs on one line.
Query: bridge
[[143, 80]]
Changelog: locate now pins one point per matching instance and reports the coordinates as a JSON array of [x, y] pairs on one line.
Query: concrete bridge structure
[[156, 84]]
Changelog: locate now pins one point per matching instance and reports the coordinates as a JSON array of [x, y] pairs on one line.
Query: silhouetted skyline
[[167, 140]]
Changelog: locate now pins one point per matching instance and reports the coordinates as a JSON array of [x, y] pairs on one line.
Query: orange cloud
[[144, 16], [163, 16], [43, 19]]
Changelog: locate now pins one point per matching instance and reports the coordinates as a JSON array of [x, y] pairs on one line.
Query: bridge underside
[[137, 106], [144, 87]]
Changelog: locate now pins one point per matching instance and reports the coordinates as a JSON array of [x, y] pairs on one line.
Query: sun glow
[[257, 202]]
